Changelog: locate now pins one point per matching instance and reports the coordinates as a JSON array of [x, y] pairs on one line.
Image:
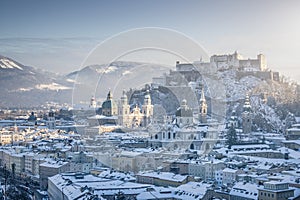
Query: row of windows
[[163, 136], [266, 194], [279, 195]]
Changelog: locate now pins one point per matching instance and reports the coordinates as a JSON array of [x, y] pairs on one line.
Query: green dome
[[109, 104]]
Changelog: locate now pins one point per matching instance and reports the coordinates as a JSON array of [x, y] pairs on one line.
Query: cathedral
[[136, 117], [113, 113], [186, 130]]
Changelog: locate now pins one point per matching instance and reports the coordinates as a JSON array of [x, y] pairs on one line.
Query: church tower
[[203, 108], [51, 120], [147, 109], [124, 111], [93, 103], [247, 116]]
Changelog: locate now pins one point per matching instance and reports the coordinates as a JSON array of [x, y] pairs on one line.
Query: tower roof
[[184, 110], [124, 96], [202, 98], [109, 95], [109, 102], [147, 96]]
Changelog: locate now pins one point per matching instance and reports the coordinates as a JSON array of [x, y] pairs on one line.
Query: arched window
[[192, 146], [169, 135]]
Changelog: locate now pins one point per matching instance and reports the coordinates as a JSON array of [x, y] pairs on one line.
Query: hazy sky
[[58, 35]]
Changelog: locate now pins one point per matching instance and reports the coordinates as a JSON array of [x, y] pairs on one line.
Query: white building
[[244, 191], [207, 170], [236, 61], [136, 117], [69, 186], [230, 175]]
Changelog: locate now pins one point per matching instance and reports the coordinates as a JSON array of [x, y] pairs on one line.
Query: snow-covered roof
[[103, 117], [292, 153], [250, 146], [246, 190], [188, 191], [53, 164], [193, 189], [291, 141], [71, 186], [130, 153], [165, 176], [229, 170]]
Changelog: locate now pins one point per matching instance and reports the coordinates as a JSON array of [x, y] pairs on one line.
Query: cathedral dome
[[109, 107], [184, 110], [109, 104]]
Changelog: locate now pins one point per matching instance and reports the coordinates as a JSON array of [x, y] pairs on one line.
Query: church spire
[[124, 99], [147, 98], [203, 107], [202, 98], [109, 95]]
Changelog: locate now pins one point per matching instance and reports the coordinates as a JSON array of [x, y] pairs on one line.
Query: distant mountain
[[27, 86], [24, 86], [97, 80]]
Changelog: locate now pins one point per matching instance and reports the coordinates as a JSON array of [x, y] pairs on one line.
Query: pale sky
[[58, 35]]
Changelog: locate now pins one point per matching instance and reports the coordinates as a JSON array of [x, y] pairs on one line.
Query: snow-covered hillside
[[27, 86], [5, 63], [237, 89]]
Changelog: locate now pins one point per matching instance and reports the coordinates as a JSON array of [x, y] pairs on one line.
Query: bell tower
[[124, 110], [51, 120], [93, 102], [147, 109], [203, 108]]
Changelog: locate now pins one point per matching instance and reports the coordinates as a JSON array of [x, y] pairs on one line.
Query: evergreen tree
[[120, 196], [231, 137]]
